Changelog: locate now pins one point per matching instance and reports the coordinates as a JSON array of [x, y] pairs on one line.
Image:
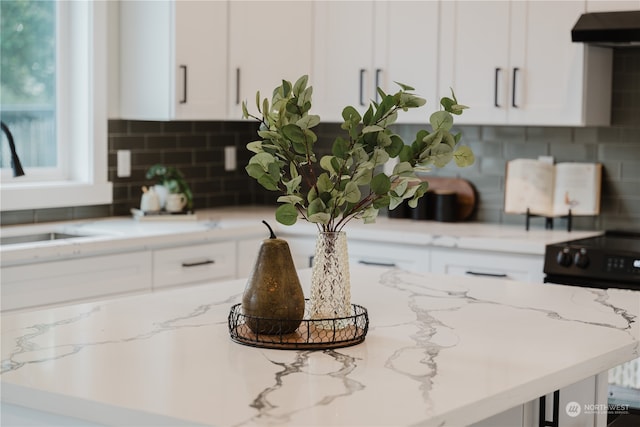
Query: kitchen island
[[441, 350]]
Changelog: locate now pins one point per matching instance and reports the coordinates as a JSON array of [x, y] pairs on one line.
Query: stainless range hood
[[611, 29]]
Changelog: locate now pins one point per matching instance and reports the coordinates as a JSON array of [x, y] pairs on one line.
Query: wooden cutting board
[[466, 193]]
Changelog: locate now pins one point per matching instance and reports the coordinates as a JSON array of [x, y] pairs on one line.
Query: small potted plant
[[351, 182], [170, 181]]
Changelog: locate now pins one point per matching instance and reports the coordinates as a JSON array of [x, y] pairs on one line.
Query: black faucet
[[15, 161]]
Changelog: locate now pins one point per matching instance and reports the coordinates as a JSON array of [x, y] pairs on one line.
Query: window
[[53, 76]]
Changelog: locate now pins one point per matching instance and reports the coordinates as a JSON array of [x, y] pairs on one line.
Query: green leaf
[[308, 122], [286, 88], [351, 115], [254, 170], [372, 128], [352, 193], [406, 154], [286, 214], [263, 159], [324, 184], [300, 85], [463, 156], [369, 215], [340, 148], [382, 202], [293, 184], [380, 184], [316, 206], [395, 147], [268, 182], [320, 218], [293, 133], [404, 86], [326, 164], [441, 120], [291, 199], [255, 146]]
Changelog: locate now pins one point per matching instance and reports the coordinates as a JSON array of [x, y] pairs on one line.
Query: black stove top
[[608, 261]]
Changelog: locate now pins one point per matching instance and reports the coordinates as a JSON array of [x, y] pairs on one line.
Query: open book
[[552, 190]]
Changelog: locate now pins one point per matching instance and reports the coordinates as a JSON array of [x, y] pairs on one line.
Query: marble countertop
[[117, 234], [441, 350]]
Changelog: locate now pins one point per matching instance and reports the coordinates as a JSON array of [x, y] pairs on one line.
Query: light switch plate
[[124, 163], [230, 158]]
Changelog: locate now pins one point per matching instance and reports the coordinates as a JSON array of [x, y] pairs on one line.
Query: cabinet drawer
[[72, 280], [406, 257], [524, 268], [192, 264]]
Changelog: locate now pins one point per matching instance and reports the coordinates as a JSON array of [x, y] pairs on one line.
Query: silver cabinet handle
[[477, 273], [198, 263], [362, 71], [513, 93], [379, 264], [495, 87], [184, 85], [238, 86], [378, 72]]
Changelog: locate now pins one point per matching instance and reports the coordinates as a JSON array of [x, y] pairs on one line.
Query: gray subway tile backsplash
[[197, 149]]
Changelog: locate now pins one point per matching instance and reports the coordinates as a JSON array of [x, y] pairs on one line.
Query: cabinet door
[[474, 58], [200, 91], [343, 71], [73, 280], [268, 41], [410, 51], [460, 262], [173, 60], [612, 5], [547, 69]]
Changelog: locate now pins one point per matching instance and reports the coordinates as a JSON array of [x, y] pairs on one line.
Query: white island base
[[440, 351]]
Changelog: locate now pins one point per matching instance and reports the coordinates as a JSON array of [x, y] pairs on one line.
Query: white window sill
[[54, 194]]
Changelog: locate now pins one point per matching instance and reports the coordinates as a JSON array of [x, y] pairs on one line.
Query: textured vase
[[330, 282]]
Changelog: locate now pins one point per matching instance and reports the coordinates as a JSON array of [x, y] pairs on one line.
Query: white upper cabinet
[[362, 45], [173, 60], [514, 63], [612, 5], [268, 41]]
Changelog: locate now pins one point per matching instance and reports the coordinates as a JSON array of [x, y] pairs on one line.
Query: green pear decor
[[273, 301], [351, 182]]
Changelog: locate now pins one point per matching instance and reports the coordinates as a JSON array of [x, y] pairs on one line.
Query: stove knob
[[581, 259], [564, 257]]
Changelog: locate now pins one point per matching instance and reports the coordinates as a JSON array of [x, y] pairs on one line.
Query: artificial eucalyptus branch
[[352, 183]]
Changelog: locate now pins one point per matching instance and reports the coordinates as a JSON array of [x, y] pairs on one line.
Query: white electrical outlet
[[124, 163], [230, 158]]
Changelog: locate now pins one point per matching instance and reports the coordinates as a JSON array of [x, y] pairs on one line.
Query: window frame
[[82, 119]]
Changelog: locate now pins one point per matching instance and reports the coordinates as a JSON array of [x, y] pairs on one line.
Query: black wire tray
[[312, 334]]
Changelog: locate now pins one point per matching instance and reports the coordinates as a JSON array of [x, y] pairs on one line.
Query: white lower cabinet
[[46, 283], [463, 262], [582, 404], [194, 264]]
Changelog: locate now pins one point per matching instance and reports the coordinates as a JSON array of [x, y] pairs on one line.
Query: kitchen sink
[[39, 237]]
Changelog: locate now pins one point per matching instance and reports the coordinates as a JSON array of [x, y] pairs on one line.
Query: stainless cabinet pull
[[238, 86], [378, 72], [197, 263], [477, 273], [513, 93], [495, 87], [379, 264], [184, 85], [362, 71]]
